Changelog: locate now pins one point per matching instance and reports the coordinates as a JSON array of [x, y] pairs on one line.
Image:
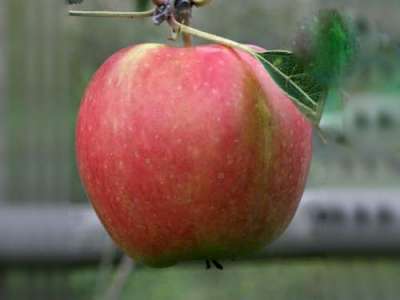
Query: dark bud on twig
[[182, 4], [183, 11]]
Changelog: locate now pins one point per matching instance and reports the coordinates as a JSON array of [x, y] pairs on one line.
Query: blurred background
[[344, 242]]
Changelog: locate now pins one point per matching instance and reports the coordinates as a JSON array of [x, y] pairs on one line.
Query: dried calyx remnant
[[181, 10], [174, 11]]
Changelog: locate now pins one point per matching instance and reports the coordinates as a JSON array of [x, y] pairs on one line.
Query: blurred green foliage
[[289, 279], [333, 47]]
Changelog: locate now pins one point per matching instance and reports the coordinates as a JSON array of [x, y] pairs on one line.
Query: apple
[[190, 153]]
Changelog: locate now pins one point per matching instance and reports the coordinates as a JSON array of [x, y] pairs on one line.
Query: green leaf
[[290, 73]]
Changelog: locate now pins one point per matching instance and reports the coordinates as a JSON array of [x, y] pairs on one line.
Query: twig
[[112, 14], [124, 269], [104, 269]]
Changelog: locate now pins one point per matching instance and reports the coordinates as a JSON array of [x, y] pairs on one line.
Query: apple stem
[[187, 39], [112, 14]]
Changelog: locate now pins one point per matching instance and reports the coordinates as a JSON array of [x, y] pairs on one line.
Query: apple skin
[[190, 153]]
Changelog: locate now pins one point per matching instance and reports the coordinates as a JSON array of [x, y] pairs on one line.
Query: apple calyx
[[215, 263]]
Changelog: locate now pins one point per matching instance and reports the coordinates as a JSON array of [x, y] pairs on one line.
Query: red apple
[[190, 153]]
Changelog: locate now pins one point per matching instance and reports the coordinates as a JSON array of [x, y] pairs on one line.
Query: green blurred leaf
[[307, 74], [333, 47]]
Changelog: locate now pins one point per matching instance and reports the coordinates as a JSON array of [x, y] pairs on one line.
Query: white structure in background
[[3, 93], [328, 221]]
